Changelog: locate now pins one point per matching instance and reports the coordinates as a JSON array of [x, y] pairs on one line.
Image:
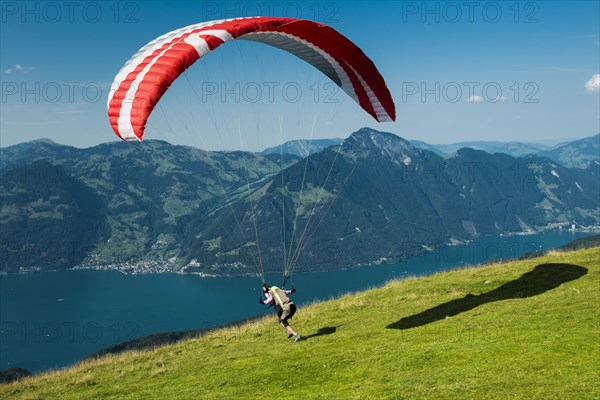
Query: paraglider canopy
[[148, 74]]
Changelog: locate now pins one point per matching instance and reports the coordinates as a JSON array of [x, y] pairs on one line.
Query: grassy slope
[[544, 346]]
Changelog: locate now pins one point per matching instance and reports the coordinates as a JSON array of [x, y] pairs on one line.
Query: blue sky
[[457, 71]]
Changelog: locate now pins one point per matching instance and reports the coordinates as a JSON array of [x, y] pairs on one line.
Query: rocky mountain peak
[[385, 144]]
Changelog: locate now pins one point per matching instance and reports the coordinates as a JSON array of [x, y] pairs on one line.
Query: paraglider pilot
[[284, 307]]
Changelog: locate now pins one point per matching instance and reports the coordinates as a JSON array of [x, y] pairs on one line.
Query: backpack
[[279, 295]]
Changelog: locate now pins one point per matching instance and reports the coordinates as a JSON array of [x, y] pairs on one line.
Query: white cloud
[[475, 99], [593, 85], [481, 99], [18, 68]]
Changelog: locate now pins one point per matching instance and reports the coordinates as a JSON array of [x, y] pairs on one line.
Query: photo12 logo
[[66, 332], [51, 92], [270, 92], [471, 92], [453, 12], [326, 12], [71, 12]]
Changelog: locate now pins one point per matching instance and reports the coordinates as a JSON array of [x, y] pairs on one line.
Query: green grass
[[532, 336]]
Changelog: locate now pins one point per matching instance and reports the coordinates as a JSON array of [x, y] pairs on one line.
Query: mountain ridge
[[577, 153], [374, 198]]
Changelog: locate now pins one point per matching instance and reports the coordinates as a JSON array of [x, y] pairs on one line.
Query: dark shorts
[[286, 312]]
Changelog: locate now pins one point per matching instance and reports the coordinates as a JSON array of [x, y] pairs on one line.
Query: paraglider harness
[[279, 302]]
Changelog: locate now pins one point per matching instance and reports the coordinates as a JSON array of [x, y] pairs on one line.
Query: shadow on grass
[[542, 278], [328, 330]]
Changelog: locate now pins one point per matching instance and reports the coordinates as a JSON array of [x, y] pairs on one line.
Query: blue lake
[[49, 320]]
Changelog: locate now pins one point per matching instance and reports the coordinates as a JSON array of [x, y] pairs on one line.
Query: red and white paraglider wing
[[148, 74]]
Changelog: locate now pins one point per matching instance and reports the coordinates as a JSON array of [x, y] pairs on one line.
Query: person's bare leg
[[291, 332], [288, 328]]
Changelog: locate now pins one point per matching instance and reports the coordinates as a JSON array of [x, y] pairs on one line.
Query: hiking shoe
[[298, 338]]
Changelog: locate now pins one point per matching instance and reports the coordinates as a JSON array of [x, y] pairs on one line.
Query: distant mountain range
[[515, 149], [578, 153], [302, 147], [139, 207], [127, 198]]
